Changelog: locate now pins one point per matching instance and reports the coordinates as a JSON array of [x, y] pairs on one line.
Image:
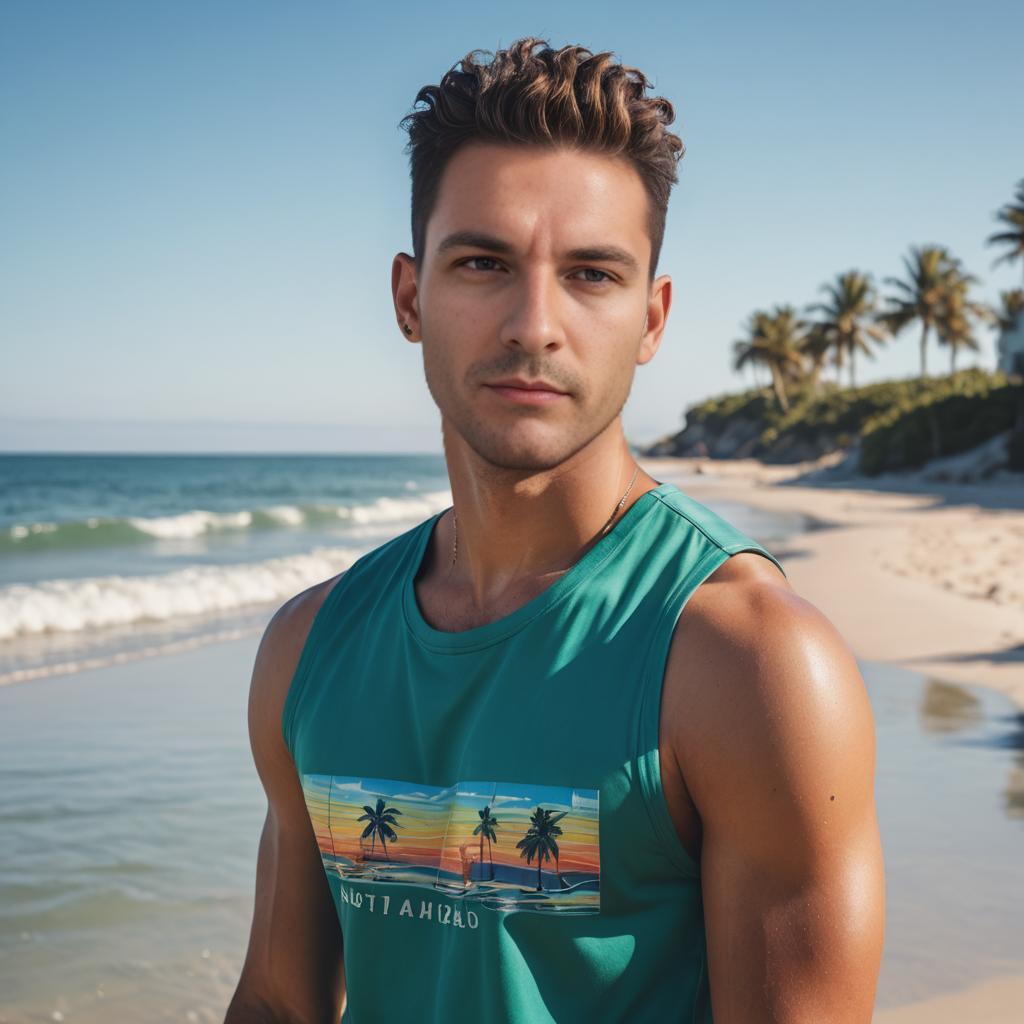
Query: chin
[[534, 454]]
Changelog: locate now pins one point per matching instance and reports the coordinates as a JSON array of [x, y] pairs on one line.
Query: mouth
[[527, 392]]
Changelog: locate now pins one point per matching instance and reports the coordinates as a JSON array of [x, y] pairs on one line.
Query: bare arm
[[778, 752], [293, 971]]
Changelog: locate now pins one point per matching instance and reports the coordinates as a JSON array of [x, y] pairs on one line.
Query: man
[[572, 749]]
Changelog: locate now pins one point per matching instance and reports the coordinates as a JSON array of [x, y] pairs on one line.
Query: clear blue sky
[[199, 202]]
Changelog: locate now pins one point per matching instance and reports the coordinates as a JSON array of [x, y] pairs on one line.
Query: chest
[[449, 608], [507, 777]]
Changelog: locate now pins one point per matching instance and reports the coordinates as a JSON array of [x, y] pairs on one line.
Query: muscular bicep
[[293, 967], [791, 860]]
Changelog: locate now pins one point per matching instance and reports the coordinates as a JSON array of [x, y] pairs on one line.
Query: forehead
[[533, 195]]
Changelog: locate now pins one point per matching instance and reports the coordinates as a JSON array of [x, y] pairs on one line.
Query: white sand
[[930, 577]]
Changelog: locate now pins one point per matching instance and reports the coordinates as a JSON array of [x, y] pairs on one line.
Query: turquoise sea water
[[107, 557]]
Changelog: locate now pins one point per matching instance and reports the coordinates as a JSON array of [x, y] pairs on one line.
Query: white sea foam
[[73, 605], [115, 657], [19, 530], [195, 523], [393, 510], [190, 524], [287, 514]]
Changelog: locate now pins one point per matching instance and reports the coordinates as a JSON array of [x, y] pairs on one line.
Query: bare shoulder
[[769, 722], [761, 689], [276, 660], [294, 966]]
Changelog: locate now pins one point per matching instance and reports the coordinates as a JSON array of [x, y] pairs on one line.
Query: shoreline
[[918, 574]]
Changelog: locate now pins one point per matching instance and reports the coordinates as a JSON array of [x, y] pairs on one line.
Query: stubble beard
[[501, 451]]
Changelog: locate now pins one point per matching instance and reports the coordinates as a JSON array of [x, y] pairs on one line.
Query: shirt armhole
[[748, 545], [652, 679], [297, 686]]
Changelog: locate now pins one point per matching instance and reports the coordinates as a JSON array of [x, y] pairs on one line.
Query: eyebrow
[[491, 243]]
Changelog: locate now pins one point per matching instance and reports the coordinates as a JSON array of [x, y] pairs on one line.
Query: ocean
[[105, 558], [108, 557]]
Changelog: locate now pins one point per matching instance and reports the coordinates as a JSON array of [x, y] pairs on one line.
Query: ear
[[405, 293], [658, 304]]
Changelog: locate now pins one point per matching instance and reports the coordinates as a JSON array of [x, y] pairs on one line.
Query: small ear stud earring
[[407, 328]]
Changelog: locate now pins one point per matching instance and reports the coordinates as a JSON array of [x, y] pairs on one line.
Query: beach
[[131, 809], [917, 573]]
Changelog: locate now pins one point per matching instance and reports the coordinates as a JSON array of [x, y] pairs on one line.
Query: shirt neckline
[[490, 633]]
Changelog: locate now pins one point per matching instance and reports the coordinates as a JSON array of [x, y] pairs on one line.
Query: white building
[[1010, 349]]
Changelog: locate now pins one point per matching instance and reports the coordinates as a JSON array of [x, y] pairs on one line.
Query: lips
[[526, 393], [526, 385]]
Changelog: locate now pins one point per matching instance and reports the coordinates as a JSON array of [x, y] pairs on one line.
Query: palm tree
[[488, 823], [774, 340], [930, 270], [817, 344], [1009, 316], [381, 819], [1012, 215], [540, 840], [843, 318], [955, 326]]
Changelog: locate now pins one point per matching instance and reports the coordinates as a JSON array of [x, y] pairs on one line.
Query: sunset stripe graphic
[[506, 846]]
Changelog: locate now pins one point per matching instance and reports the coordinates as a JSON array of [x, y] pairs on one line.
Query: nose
[[535, 321]]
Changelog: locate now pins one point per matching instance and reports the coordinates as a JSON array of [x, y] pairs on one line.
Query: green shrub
[[901, 423], [955, 415]]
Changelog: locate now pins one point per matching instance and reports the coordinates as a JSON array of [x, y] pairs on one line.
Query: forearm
[[249, 1006]]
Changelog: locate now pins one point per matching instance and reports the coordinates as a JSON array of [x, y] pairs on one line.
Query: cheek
[[444, 375], [434, 367], [611, 373]]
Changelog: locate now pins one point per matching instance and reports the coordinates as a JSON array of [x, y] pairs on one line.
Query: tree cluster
[[934, 292]]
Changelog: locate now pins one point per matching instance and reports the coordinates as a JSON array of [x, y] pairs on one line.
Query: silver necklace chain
[[622, 501]]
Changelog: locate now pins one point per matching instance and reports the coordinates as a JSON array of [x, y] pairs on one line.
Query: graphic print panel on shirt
[[505, 846]]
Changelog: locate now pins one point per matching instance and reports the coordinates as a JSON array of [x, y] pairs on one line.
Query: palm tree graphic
[[540, 840], [488, 823], [381, 819]]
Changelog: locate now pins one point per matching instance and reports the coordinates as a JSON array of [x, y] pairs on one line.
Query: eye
[[593, 270], [486, 259]]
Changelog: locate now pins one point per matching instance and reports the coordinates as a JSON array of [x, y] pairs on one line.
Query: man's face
[[535, 267]]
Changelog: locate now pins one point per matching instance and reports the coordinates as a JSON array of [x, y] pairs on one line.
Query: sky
[[200, 202]]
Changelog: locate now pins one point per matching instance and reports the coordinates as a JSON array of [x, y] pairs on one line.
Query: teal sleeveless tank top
[[488, 803]]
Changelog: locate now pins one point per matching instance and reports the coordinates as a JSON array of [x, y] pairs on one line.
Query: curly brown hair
[[569, 96]]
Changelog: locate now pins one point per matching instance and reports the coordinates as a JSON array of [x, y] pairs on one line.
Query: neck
[[520, 529]]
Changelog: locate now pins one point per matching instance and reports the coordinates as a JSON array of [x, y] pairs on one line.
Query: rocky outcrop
[[740, 438], [735, 439], [970, 422], [980, 463]]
